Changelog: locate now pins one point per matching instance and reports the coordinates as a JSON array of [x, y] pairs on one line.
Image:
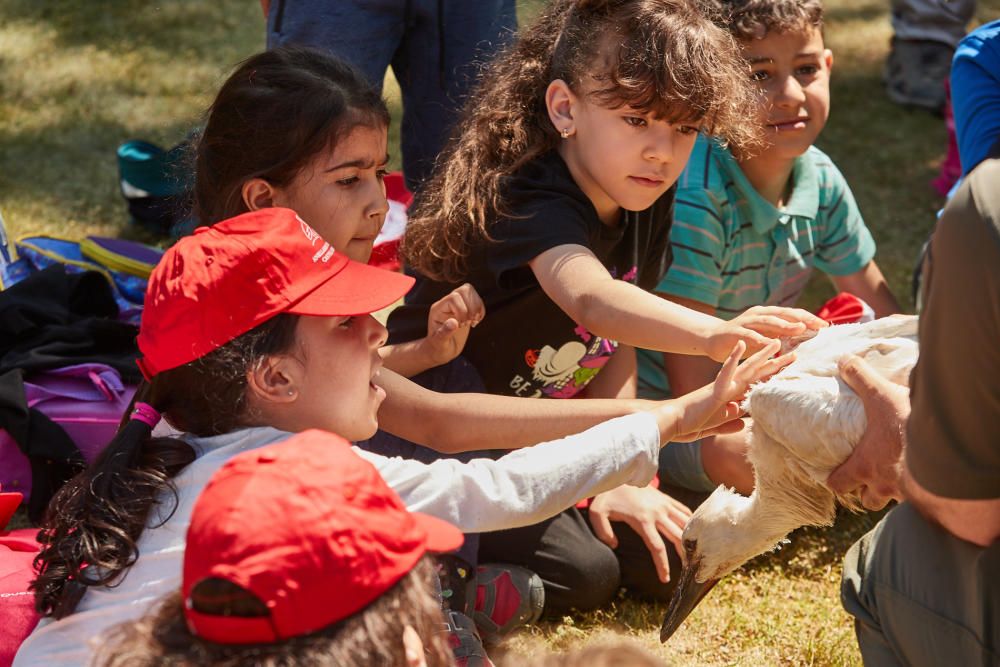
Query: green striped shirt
[[732, 249]]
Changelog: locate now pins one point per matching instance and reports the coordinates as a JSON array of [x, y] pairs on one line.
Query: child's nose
[[378, 207], [661, 147], [791, 91], [377, 333]]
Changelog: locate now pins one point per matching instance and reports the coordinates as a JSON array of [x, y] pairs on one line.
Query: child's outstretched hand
[[713, 408], [449, 322], [756, 326]]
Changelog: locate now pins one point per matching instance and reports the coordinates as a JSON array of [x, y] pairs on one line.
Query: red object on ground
[[846, 309]]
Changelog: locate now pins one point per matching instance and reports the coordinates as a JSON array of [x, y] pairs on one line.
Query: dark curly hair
[[755, 19], [93, 523], [661, 56]]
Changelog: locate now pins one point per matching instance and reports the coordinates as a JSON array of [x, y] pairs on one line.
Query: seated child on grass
[[254, 329], [750, 226], [297, 553], [555, 201]]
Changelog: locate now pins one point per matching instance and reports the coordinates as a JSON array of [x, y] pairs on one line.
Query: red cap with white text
[[226, 279]]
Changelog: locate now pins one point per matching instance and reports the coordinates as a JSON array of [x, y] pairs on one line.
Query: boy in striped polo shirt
[[748, 229]]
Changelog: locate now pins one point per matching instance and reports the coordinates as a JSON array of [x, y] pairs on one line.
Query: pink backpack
[[86, 400]]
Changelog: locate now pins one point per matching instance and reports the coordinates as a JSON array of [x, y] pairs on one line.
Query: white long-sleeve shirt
[[519, 489]]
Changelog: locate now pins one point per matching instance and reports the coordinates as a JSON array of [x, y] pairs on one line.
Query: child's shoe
[[507, 597], [464, 640]]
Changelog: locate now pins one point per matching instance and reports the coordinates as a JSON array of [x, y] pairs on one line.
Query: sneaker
[[916, 71], [464, 641], [507, 597]]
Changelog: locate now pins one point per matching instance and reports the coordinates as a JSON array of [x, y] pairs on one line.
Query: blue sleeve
[[975, 94]]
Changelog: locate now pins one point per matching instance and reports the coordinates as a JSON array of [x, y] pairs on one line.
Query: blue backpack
[[125, 264]]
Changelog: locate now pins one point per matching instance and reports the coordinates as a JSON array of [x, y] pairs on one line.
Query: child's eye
[[348, 181], [807, 70], [347, 322], [758, 75], [688, 129], [380, 174], [635, 121]]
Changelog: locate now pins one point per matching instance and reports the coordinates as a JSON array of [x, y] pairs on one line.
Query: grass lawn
[[78, 77]]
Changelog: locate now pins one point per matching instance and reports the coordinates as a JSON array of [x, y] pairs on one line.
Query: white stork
[[806, 422]]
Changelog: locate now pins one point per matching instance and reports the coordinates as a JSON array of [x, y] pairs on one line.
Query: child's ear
[[257, 194], [274, 380], [828, 59], [560, 100]]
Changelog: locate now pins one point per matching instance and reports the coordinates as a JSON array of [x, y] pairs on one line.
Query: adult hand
[[755, 326], [651, 513], [873, 468], [449, 321]]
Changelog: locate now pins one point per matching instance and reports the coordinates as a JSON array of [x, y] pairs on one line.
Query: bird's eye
[[690, 545]]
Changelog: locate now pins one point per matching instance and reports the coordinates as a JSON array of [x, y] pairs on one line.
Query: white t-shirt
[[519, 489]]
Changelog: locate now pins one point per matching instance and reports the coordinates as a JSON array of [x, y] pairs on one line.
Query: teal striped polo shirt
[[732, 249]]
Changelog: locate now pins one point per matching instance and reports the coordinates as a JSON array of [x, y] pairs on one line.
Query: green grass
[[78, 78]]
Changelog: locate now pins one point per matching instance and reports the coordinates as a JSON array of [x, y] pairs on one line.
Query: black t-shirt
[[526, 345]]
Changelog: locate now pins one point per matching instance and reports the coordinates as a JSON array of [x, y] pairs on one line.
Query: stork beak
[[687, 595]]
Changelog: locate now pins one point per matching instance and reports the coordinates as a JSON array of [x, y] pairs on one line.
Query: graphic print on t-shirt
[[564, 371]]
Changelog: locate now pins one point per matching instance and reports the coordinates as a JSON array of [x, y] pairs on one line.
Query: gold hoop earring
[[565, 132]]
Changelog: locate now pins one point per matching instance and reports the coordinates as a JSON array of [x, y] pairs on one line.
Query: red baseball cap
[[226, 279], [308, 527]]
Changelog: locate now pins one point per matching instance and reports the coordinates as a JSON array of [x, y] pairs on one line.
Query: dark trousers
[[579, 571], [435, 47]]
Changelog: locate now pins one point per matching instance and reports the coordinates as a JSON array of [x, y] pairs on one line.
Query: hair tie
[[145, 413]]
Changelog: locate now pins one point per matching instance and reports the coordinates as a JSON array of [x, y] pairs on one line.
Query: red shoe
[[507, 597]]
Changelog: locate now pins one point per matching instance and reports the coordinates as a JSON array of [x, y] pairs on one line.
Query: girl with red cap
[[257, 328], [298, 553]]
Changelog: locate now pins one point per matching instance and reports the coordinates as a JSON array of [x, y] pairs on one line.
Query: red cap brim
[[442, 537], [358, 289]]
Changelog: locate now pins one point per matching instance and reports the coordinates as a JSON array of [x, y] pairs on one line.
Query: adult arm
[[869, 285], [976, 521]]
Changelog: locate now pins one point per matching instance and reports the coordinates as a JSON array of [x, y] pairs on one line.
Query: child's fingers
[[793, 315], [474, 304], [753, 340], [650, 534], [773, 326], [731, 364], [601, 524]]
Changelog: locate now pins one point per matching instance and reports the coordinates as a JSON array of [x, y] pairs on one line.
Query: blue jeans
[[435, 48]]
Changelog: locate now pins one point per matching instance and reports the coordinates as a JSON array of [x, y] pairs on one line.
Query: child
[[295, 127], [555, 203], [256, 328], [750, 226], [297, 553]]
